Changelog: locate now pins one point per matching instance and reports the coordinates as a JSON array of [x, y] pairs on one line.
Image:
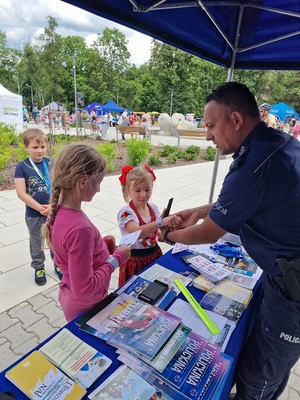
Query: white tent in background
[[11, 108]]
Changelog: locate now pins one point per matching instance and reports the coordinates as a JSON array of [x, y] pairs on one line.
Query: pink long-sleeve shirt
[[81, 254]]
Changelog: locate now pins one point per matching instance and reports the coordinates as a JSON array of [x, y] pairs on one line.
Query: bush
[[8, 135], [179, 153], [172, 159], [190, 156], [4, 158], [154, 161], [210, 154], [167, 150], [108, 151], [193, 150], [137, 151]]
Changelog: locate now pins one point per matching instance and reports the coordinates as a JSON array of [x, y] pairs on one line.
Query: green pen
[[196, 306]]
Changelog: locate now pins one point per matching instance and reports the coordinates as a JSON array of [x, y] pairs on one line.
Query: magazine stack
[[157, 346]]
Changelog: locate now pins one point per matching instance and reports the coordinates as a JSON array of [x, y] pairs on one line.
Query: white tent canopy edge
[[11, 108]]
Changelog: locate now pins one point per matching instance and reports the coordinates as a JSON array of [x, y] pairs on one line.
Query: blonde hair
[[73, 162], [135, 176], [34, 135]]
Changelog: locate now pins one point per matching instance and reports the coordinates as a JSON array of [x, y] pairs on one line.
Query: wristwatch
[[166, 238]]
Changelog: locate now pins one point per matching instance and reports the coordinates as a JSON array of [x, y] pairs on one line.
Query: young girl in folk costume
[[139, 214], [79, 250]]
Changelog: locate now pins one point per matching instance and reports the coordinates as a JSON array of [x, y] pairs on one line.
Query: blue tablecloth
[[173, 262]]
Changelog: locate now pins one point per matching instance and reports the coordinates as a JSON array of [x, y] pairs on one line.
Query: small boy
[[33, 187]]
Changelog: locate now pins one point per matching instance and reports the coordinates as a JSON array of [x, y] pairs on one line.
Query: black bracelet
[[166, 238]]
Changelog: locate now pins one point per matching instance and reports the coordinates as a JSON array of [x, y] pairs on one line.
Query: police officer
[[259, 200]]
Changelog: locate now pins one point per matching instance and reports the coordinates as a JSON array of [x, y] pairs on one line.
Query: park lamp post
[[31, 96], [75, 95], [171, 102]]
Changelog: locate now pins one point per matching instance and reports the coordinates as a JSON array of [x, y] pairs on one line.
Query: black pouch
[[7, 396], [291, 277]]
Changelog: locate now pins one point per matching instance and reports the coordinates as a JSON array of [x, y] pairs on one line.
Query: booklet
[[205, 380], [223, 305], [77, 359], [233, 291], [213, 271], [135, 285], [132, 324], [124, 383], [165, 275], [242, 280], [181, 364], [203, 283], [37, 378], [190, 318], [162, 359], [129, 239]]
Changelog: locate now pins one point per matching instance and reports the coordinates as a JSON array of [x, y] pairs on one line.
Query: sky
[[22, 20]]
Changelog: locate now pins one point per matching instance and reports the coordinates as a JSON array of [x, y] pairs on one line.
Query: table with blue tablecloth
[[174, 263]]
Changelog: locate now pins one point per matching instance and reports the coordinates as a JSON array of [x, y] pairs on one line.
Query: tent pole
[[217, 159], [229, 79]]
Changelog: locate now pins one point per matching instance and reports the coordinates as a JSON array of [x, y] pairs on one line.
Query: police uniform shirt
[[260, 197]]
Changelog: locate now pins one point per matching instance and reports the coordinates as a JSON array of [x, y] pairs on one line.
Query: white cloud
[[22, 20], [139, 47]]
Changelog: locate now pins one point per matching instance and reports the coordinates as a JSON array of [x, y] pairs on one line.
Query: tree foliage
[[171, 80]]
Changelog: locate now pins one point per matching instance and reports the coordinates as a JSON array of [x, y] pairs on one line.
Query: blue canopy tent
[[284, 112], [111, 106], [236, 34], [95, 106]]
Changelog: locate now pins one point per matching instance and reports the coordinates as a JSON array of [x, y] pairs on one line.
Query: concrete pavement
[[30, 313]]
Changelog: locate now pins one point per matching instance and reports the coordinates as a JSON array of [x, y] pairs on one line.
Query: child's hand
[[126, 250], [45, 209], [171, 221]]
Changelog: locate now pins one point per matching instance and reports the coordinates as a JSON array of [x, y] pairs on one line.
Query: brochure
[[130, 239], [132, 324], [77, 359], [37, 378], [213, 271], [125, 384], [165, 275], [222, 305]]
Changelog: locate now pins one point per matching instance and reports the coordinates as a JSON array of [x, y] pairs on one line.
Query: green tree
[[52, 68], [111, 47], [9, 58]]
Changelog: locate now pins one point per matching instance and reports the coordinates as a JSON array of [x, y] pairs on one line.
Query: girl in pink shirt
[[79, 250]]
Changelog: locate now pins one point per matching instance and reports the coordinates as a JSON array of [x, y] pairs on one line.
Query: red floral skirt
[[139, 260]]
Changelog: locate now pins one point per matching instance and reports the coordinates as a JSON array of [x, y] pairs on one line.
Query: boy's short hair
[[34, 135]]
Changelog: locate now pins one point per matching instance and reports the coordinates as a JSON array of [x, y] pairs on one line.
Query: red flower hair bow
[[148, 168], [124, 171]]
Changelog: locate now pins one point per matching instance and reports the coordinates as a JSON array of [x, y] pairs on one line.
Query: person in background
[[292, 121], [147, 126], [92, 114], [139, 214], [35, 114], [260, 201], [296, 129], [33, 187], [24, 111], [179, 124], [67, 121], [269, 119], [147, 116], [79, 250]]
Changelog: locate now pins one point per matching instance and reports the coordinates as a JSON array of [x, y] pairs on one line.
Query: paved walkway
[[30, 313]]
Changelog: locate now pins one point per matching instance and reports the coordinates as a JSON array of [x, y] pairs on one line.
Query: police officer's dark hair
[[237, 97]]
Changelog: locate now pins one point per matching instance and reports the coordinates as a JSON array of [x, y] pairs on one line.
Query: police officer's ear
[[237, 119]]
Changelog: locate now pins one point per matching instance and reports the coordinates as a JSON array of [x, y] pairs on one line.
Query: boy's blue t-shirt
[[36, 187]]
